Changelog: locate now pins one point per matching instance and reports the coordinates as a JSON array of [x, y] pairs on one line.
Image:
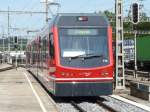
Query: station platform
[[3, 66], [20, 92]]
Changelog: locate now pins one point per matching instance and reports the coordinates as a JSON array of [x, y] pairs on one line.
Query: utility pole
[[3, 44], [120, 78], [3, 49], [46, 10], [135, 54], [8, 34], [10, 12]]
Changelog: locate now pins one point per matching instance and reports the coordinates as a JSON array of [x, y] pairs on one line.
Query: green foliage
[[145, 26], [128, 26]]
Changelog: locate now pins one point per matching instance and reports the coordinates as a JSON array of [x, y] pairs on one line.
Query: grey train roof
[[68, 19]]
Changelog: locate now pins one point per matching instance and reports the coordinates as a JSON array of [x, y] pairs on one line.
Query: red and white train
[[72, 55]]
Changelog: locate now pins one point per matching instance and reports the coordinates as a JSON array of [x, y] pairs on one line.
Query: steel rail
[[110, 109], [77, 107]]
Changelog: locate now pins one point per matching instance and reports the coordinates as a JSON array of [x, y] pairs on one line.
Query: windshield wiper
[[86, 56], [92, 56]]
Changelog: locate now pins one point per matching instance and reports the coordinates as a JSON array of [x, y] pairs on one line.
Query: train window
[[44, 48], [51, 43], [46, 45], [40, 47], [34, 52]]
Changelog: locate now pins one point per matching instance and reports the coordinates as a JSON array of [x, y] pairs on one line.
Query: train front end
[[83, 55]]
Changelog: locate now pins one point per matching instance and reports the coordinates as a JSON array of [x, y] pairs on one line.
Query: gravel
[[121, 106], [91, 107], [66, 107], [94, 107]]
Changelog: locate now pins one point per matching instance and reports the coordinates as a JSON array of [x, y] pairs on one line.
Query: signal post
[[15, 46], [135, 21]]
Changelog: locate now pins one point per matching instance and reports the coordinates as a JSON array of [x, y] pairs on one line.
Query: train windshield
[[83, 42]]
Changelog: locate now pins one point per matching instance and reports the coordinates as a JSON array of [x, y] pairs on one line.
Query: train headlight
[[104, 74], [63, 73], [73, 82], [66, 74]]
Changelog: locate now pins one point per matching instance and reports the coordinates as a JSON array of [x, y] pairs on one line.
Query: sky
[[35, 22]]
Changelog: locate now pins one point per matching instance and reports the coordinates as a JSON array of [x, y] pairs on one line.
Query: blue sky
[[37, 21]]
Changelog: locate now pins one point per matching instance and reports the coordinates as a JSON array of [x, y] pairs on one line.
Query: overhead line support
[[119, 73]]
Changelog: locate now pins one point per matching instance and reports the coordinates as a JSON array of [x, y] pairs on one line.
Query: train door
[[34, 57], [44, 66], [30, 56], [40, 70], [38, 55], [51, 60]]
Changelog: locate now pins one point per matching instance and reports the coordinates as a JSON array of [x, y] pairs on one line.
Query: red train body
[[72, 55]]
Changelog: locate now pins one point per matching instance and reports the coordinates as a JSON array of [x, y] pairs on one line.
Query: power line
[[21, 12]]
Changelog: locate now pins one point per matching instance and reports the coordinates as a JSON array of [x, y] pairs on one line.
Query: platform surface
[[2, 66], [17, 95]]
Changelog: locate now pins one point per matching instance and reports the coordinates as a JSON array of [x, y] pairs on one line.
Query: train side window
[[44, 48], [40, 47], [34, 53], [51, 45]]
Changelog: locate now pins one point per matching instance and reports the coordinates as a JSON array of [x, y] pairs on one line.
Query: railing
[[136, 74]]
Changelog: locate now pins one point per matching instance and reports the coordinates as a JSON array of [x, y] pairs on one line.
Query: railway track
[[94, 106], [79, 108], [108, 108]]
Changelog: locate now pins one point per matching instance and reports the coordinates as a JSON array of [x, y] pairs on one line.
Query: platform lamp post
[[135, 21]]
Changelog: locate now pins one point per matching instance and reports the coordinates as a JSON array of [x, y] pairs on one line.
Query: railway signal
[[16, 47], [135, 21], [15, 40], [135, 13]]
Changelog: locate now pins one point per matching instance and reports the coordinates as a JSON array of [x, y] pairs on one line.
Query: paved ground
[[138, 100], [17, 95]]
